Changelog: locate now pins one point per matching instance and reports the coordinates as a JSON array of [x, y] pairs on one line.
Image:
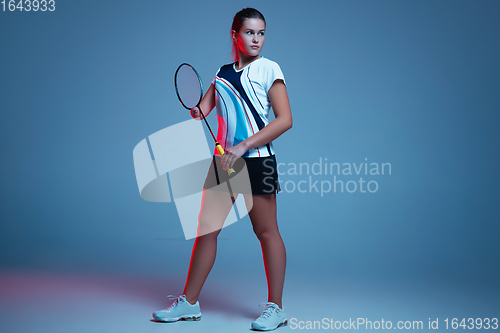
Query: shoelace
[[270, 308], [170, 297]]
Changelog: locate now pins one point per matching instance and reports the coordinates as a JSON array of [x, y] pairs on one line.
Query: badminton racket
[[189, 89]]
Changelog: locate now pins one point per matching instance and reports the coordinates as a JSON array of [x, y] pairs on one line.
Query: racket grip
[[230, 171]]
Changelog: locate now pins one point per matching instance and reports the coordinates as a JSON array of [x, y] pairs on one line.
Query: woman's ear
[[235, 38]]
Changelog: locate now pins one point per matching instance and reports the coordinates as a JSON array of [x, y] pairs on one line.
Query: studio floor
[[48, 302]]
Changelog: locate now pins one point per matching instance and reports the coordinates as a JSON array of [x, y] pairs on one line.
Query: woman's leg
[[215, 207], [265, 226]]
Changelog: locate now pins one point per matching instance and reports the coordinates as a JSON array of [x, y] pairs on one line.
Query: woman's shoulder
[[230, 65], [267, 68], [265, 62], [222, 69]]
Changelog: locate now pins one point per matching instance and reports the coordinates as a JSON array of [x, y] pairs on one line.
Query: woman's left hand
[[232, 154]]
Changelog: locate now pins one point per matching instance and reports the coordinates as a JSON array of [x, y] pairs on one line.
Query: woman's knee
[[265, 235], [208, 225]]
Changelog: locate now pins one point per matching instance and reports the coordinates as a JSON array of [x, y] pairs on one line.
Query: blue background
[[410, 83]]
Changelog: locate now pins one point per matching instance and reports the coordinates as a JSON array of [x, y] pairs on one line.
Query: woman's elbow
[[285, 123]]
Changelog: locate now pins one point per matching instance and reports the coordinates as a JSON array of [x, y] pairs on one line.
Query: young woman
[[243, 93]]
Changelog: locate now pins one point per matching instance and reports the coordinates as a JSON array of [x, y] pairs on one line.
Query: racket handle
[[230, 171]]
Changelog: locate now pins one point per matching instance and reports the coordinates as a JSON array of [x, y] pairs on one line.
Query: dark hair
[[238, 19]]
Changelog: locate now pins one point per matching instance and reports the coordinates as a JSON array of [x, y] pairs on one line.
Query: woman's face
[[250, 38]]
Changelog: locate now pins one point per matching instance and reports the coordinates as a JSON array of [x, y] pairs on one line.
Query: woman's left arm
[[283, 122]]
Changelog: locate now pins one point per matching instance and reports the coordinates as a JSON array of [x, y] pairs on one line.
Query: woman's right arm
[[207, 104]]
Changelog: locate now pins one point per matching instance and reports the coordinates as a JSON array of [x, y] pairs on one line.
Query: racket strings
[[188, 86]]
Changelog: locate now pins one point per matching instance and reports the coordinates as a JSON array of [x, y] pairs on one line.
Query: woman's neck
[[244, 60]]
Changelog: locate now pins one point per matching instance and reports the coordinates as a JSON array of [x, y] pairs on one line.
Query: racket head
[[188, 86]]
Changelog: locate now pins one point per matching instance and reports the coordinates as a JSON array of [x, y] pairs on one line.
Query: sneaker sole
[[173, 320], [285, 323]]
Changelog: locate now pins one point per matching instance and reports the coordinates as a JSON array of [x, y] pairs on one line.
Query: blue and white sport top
[[242, 104]]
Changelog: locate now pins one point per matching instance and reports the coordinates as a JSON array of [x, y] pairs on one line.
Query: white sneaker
[[180, 309], [271, 318]]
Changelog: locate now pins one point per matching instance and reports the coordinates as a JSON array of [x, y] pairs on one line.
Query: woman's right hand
[[206, 104], [195, 113]]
